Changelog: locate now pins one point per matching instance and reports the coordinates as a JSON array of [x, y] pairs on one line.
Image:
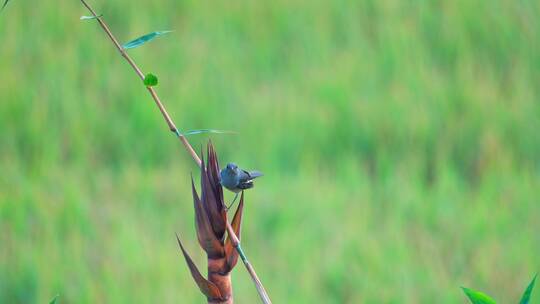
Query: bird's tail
[[255, 174]]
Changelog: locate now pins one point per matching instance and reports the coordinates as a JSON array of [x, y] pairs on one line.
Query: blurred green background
[[400, 144]]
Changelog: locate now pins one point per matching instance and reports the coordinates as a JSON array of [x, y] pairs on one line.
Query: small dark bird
[[236, 179]]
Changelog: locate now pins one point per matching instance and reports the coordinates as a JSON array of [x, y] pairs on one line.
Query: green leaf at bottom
[[527, 294], [477, 297], [53, 301]]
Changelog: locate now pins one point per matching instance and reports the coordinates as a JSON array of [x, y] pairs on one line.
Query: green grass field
[[400, 143]]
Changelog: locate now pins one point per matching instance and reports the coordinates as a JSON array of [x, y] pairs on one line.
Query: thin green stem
[[151, 90], [241, 253], [258, 284]]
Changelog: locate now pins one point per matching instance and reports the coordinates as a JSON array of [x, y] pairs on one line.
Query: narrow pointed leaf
[[143, 39], [90, 17], [477, 297], [205, 234], [53, 300], [150, 80], [201, 131], [527, 294], [230, 251], [208, 288]]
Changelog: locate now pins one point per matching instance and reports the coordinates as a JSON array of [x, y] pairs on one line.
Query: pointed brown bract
[[230, 252], [210, 223], [212, 203], [213, 169], [205, 234], [208, 288]]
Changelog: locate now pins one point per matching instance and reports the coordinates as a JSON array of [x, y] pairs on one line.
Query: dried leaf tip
[[209, 289]]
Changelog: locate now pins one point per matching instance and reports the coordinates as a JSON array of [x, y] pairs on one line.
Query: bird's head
[[232, 167]]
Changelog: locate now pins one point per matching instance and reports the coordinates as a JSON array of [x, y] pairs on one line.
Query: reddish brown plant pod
[[211, 224]]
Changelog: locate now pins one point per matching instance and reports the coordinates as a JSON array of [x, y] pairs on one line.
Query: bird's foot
[[232, 203]]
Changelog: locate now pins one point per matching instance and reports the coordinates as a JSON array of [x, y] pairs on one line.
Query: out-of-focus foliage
[[53, 300], [399, 142], [4, 5]]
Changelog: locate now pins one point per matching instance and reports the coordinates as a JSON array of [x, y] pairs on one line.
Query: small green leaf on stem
[[150, 80], [90, 17], [53, 301], [527, 294], [200, 131], [477, 297], [143, 39]]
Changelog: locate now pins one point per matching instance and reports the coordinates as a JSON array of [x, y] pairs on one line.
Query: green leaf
[[53, 301], [150, 80], [477, 297], [90, 17], [200, 131], [5, 3], [143, 39], [527, 294]]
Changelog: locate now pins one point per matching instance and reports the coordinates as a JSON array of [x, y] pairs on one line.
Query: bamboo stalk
[[152, 91], [260, 288]]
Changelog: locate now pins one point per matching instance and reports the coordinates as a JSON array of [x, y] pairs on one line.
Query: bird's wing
[[254, 174], [243, 176], [245, 185]]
